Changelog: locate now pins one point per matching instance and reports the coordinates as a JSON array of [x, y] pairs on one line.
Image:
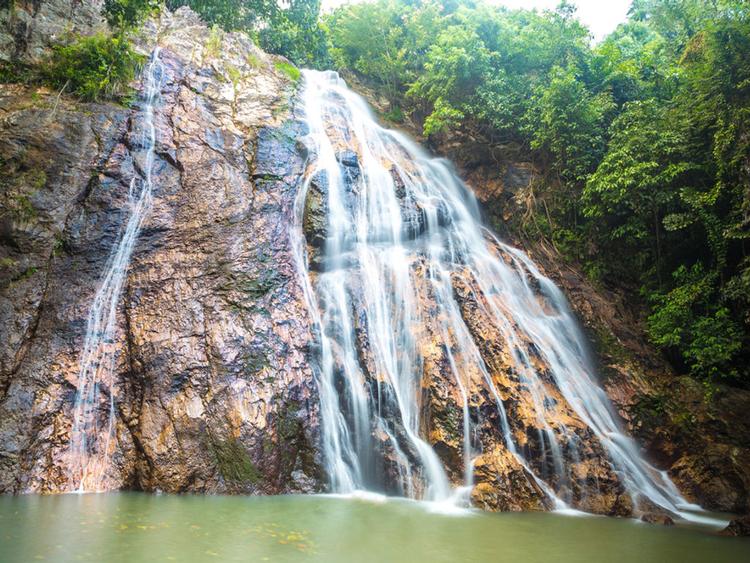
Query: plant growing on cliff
[[290, 29], [14, 72], [94, 68], [234, 462], [288, 70], [128, 13], [689, 321]]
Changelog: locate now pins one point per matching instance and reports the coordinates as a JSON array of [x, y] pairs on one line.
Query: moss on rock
[[234, 462]]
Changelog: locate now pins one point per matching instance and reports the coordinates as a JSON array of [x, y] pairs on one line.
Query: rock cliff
[[214, 389], [703, 440]]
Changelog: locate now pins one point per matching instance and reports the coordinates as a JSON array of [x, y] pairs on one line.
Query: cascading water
[[399, 228], [90, 444]]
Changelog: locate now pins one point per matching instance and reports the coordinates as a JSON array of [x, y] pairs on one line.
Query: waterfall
[[91, 445], [399, 230]]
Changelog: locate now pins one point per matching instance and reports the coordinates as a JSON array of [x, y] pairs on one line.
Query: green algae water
[[134, 527]]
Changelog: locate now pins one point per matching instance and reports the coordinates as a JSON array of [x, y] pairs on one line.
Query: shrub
[[14, 72], [127, 13], [288, 69], [94, 67], [395, 114], [688, 321]]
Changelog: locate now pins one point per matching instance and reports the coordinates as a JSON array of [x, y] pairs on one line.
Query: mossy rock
[[234, 462], [261, 284]]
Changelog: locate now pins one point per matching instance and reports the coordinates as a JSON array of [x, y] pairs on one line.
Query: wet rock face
[[315, 220], [704, 444], [738, 527], [46, 179], [213, 390], [502, 482]]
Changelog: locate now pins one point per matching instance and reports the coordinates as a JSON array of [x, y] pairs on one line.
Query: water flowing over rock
[[210, 383], [242, 284], [441, 349], [91, 438]]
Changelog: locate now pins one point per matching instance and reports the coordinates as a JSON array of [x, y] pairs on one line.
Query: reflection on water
[[138, 527]]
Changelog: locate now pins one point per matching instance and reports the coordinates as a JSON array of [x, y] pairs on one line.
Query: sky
[[601, 16]]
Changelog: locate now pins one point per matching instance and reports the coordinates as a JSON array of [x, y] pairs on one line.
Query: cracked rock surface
[[212, 387]]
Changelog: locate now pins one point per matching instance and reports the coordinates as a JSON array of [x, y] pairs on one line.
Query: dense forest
[[643, 138]]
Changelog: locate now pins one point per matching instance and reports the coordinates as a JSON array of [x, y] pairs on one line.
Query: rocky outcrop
[[738, 527], [703, 440], [28, 28], [213, 389]]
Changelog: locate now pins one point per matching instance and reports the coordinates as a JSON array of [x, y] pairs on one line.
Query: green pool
[[140, 527]]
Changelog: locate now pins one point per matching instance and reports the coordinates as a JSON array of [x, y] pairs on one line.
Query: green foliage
[[95, 67], [214, 41], [232, 15], [234, 463], [370, 39], [288, 70], [291, 29], [22, 208], [14, 72], [644, 140], [636, 184], [567, 122], [442, 119], [128, 13], [253, 60], [395, 114], [688, 320], [296, 34]]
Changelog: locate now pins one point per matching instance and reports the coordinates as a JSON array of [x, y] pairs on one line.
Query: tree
[[643, 141]]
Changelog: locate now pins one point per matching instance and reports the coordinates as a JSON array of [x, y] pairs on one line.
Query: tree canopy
[[644, 139], [290, 28]]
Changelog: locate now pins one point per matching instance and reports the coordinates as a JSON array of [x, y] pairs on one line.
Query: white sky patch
[[600, 16]]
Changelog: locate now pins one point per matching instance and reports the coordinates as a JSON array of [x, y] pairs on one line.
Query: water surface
[[138, 527]]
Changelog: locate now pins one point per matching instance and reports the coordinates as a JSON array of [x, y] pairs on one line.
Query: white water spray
[[380, 261], [92, 436]]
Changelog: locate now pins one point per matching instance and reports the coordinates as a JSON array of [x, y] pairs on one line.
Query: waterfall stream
[[401, 233], [92, 435]]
